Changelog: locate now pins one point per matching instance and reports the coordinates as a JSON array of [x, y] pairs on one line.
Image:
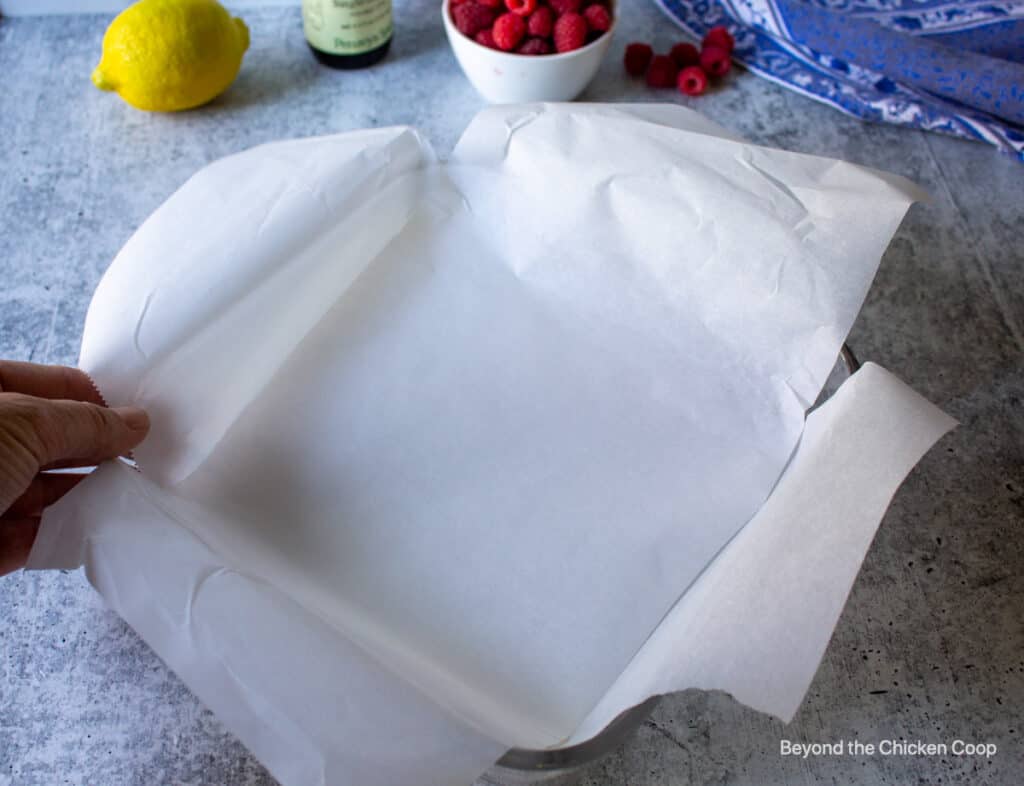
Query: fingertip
[[135, 419]]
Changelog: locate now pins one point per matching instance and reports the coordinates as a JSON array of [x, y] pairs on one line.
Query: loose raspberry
[[486, 38], [570, 32], [471, 17], [637, 58], [661, 72], [535, 46], [521, 7], [599, 20], [715, 61], [540, 22], [565, 6], [692, 81], [685, 55], [721, 37], [508, 31]]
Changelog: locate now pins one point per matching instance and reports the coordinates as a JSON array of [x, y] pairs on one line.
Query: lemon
[[168, 55]]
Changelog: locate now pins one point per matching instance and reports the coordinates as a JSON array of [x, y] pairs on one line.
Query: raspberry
[[721, 37], [471, 17], [521, 7], [685, 55], [495, 4], [715, 61], [565, 6], [598, 18], [486, 38], [692, 81], [637, 58], [535, 46], [570, 32], [540, 22], [508, 31], [661, 72]]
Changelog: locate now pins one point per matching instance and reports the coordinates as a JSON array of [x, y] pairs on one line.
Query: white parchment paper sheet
[[481, 424]]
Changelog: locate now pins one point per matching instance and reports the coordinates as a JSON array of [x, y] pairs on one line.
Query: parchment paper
[[474, 428]]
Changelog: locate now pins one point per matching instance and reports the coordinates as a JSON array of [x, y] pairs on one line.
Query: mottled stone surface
[[931, 644]]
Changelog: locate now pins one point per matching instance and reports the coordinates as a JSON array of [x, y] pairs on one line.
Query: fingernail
[[134, 418]]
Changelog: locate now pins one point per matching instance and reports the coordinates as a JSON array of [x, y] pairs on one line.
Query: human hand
[[51, 417]]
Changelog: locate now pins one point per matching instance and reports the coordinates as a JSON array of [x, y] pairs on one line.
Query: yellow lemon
[[168, 55]]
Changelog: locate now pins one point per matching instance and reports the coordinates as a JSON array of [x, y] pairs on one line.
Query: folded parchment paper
[[449, 450]]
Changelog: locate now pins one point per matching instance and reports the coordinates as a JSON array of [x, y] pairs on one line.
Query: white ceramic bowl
[[508, 78]]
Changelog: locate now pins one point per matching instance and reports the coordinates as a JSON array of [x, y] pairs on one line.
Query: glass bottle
[[347, 33]]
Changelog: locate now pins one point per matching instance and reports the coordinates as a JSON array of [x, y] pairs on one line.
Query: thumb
[[63, 430]]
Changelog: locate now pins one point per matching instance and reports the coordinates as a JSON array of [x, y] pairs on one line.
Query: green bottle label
[[347, 27]]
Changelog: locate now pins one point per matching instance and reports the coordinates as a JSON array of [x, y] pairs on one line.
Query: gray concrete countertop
[[930, 644]]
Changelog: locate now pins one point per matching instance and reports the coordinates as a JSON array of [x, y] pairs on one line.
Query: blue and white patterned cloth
[[955, 66]]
